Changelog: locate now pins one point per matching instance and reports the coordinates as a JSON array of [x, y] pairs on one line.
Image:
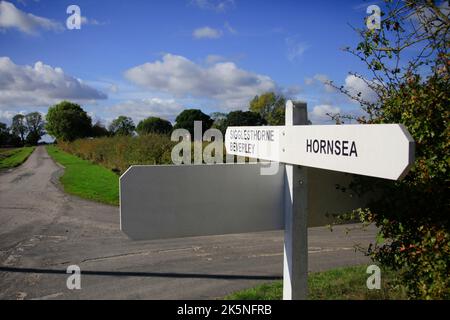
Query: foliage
[[244, 118], [185, 120], [236, 118], [68, 121], [219, 121], [35, 127], [122, 126], [119, 152], [4, 134], [154, 125], [85, 179], [412, 214], [19, 127], [270, 106], [98, 130]]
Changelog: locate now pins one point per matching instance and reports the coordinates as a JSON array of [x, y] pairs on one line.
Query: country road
[[43, 230]]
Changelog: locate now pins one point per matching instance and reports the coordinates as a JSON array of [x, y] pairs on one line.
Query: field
[[10, 158], [85, 179], [338, 284]]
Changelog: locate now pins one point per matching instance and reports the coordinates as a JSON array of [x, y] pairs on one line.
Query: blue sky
[[155, 58]]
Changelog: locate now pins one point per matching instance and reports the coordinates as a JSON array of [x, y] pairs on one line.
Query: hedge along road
[[43, 231]]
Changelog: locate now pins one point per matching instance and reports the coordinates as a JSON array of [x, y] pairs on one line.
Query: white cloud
[[323, 80], [143, 108], [216, 5], [229, 28], [319, 113], [295, 48], [114, 88], [40, 85], [206, 33], [355, 85], [214, 58], [223, 81], [90, 21], [11, 17]]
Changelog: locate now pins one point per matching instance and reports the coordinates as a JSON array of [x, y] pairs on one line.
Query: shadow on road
[[146, 274]]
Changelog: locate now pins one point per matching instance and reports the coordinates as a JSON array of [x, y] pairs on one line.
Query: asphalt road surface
[[43, 231]]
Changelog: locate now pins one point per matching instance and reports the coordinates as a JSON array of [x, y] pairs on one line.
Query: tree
[[19, 127], [35, 127], [4, 134], [154, 125], [409, 62], [219, 121], [243, 118], [68, 121], [99, 130], [185, 120], [270, 107], [122, 126]]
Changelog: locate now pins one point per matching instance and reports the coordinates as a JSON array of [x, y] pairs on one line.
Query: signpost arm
[[295, 263]]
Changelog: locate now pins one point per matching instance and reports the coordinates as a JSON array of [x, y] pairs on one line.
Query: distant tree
[[68, 121], [4, 134], [219, 121], [99, 130], [32, 138], [35, 127], [19, 127], [154, 125], [122, 126], [244, 118], [270, 107], [185, 120]]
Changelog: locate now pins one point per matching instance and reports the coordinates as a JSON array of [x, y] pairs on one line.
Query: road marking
[[50, 296]]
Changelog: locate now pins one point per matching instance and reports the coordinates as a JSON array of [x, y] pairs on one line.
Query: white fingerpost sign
[[159, 202], [377, 150]]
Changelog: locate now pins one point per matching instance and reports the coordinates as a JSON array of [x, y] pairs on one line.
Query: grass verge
[[10, 158], [85, 179], [338, 284]]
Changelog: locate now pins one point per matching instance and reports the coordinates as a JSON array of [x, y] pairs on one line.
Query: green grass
[[338, 284], [10, 158], [85, 179]]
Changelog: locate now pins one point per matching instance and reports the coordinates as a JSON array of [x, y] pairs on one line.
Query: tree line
[[68, 121], [24, 130]]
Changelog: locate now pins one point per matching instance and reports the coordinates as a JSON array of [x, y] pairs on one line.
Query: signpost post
[[236, 198]]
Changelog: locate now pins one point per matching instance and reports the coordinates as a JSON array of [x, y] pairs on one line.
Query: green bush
[[119, 152], [412, 88]]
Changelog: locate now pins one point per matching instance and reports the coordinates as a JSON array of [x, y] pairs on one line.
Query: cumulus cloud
[[11, 17], [322, 79], [319, 114], [222, 81], [356, 85], [40, 85], [215, 5], [206, 33], [151, 107]]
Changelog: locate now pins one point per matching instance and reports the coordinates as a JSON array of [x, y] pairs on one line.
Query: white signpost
[[379, 150], [157, 201]]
